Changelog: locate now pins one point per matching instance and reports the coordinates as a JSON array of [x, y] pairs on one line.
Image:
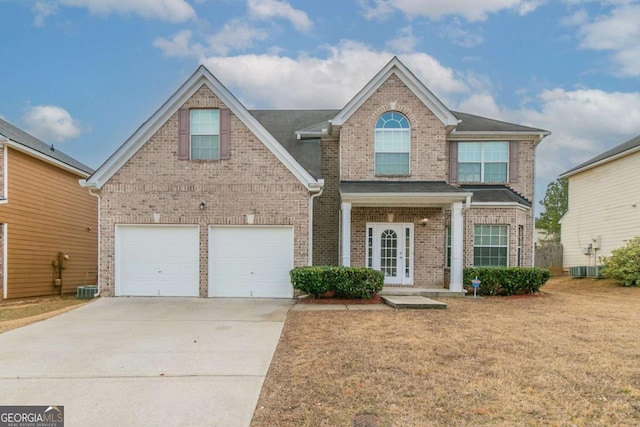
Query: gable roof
[[626, 148], [395, 66], [202, 76], [283, 125], [20, 140]]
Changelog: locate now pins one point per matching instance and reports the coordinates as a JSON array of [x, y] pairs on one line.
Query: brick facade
[[253, 181], [428, 241], [429, 161], [326, 208]]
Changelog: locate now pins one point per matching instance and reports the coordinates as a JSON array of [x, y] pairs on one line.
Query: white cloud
[[584, 123], [51, 123], [273, 81], [165, 10], [617, 32], [404, 42], [457, 34], [267, 9], [42, 11], [471, 10], [235, 35], [179, 45]]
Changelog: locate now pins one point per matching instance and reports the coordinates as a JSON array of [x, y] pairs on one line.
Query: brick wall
[[513, 217], [326, 208], [428, 138], [429, 244], [155, 181]]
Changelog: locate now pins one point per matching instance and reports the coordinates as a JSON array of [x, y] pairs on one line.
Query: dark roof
[[398, 187], [21, 137], [618, 149], [472, 123], [283, 124], [495, 194]]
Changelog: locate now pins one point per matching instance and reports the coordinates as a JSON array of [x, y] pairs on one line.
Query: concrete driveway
[[146, 361]]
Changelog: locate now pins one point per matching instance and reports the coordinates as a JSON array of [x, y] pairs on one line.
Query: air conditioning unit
[[578, 272], [86, 292], [594, 271]]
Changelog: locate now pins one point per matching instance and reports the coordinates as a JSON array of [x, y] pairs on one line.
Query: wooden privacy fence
[[549, 255]]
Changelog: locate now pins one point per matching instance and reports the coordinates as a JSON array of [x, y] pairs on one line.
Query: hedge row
[[346, 282], [506, 280]]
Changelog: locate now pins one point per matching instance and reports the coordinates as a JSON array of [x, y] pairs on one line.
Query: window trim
[[375, 152], [507, 245], [483, 162]]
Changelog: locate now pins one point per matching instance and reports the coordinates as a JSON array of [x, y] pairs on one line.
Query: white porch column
[[457, 247], [346, 234]]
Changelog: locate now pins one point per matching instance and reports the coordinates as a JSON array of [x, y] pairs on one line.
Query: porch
[[399, 228]]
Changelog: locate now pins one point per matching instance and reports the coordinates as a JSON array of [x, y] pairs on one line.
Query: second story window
[[483, 162], [205, 134], [392, 144]]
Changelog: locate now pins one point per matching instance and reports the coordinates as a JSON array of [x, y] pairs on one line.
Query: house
[[604, 205], [207, 198], [48, 223]]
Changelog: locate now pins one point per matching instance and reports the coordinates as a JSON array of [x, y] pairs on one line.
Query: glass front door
[[390, 250]]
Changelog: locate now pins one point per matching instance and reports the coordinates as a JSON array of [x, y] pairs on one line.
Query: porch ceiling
[[402, 193]]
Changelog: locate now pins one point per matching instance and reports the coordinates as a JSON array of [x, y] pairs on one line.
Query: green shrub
[[309, 280], [623, 265], [346, 282], [359, 283], [506, 280]]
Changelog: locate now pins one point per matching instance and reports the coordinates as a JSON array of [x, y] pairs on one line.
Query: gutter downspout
[[97, 294], [310, 221]]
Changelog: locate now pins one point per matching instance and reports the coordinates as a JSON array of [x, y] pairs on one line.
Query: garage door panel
[[157, 260], [250, 262]]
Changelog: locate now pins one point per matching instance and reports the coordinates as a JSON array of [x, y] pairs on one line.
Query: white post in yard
[[457, 246], [346, 234]]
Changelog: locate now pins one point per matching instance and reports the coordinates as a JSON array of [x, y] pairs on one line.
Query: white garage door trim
[[157, 260], [250, 261]]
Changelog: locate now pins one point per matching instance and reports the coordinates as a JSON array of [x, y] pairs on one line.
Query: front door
[[390, 250]]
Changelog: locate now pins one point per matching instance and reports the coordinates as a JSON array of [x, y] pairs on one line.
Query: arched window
[[392, 144]]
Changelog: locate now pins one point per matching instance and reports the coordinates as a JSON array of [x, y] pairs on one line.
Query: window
[[520, 242], [447, 232], [369, 247], [392, 144], [205, 134], [490, 245], [483, 161]]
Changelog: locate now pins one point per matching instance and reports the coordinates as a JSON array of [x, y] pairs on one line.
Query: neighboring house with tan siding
[[208, 198], [604, 205], [48, 222]]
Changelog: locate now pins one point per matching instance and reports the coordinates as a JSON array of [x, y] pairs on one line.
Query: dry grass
[[18, 313], [571, 358]]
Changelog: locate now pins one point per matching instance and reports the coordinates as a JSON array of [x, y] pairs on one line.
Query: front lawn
[[569, 358]]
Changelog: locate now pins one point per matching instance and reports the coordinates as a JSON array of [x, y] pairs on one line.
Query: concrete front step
[[424, 292], [412, 301]]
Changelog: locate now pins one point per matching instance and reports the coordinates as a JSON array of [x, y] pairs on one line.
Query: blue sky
[[84, 74]]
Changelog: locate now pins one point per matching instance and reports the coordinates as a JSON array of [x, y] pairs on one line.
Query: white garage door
[[250, 261], [157, 260]]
